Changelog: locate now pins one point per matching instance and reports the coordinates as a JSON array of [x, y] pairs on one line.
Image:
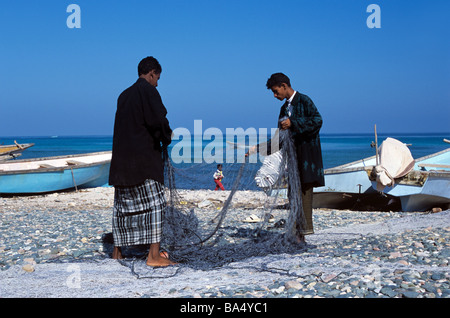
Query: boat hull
[[430, 186], [346, 186], [435, 192], [350, 181]]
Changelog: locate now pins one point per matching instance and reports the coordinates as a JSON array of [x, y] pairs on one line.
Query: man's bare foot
[[301, 239], [117, 253], [159, 261], [156, 258]]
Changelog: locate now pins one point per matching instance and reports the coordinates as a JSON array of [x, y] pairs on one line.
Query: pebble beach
[[53, 246]]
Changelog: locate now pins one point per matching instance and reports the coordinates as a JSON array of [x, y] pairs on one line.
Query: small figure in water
[[218, 176]]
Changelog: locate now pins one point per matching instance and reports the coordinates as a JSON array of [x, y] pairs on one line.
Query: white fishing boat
[[57, 173]]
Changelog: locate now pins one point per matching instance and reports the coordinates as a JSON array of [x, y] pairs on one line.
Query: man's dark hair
[[148, 64], [277, 79]]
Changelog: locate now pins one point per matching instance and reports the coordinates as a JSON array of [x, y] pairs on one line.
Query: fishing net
[[212, 241]]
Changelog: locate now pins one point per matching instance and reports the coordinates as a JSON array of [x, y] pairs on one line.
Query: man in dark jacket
[[141, 130], [304, 122]]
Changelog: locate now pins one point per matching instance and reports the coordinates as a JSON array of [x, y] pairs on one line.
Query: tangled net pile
[[190, 242]]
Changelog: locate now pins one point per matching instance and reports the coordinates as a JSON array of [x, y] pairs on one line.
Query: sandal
[[252, 219]]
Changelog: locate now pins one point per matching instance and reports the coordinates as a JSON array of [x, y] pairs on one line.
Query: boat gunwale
[[350, 169], [438, 173], [418, 160], [88, 154], [55, 169], [346, 167]]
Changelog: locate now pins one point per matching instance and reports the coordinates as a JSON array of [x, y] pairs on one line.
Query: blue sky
[[216, 57]]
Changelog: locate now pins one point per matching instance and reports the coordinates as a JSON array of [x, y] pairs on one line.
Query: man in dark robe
[[304, 122], [141, 130]]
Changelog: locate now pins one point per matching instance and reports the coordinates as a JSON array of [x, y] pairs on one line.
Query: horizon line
[[321, 134]]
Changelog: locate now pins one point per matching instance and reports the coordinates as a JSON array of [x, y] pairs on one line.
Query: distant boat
[[50, 174], [13, 151], [425, 187]]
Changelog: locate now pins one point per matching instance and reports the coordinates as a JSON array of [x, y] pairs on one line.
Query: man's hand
[[251, 151], [286, 124]]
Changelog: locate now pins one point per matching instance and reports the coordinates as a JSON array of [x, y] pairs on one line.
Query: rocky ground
[[52, 246]]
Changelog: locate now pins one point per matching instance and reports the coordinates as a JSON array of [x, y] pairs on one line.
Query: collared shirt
[[289, 106]]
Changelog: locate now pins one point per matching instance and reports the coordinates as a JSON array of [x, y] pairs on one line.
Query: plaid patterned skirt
[[138, 214]]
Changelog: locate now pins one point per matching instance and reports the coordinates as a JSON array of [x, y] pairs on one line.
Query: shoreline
[[47, 239]]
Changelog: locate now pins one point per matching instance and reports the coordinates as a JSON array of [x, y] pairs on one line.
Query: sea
[[194, 167]]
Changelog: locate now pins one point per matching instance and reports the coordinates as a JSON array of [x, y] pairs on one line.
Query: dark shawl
[[141, 129], [305, 126]]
